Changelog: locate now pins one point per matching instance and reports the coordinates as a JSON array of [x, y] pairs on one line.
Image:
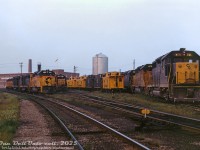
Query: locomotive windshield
[[185, 60], [60, 76], [46, 73]]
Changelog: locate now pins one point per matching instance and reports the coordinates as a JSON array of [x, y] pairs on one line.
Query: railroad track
[[154, 115], [63, 126], [134, 143], [53, 104]]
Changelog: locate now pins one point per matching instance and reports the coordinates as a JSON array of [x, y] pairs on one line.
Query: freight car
[[176, 76]]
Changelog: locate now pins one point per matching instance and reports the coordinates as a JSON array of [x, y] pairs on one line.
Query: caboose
[[176, 76], [113, 81], [72, 82], [81, 82]]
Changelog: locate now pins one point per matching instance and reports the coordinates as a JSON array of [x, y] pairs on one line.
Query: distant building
[[67, 74], [99, 64]]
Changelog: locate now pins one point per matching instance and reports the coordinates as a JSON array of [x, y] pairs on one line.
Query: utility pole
[[21, 65], [133, 64], [75, 69]]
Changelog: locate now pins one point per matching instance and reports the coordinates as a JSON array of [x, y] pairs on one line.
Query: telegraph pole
[[21, 65], [133, 64], [75, 69]]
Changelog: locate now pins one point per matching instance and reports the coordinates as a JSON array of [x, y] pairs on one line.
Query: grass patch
[[9, 116]]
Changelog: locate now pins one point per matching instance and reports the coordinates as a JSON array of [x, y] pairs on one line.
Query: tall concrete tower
[[100, 64]]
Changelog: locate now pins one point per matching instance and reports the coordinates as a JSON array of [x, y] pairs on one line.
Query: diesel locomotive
[[43, 82], [173, 76], [39, 82], [61, 82]]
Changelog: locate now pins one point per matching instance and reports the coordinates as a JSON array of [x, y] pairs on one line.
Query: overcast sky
[[73, 31]]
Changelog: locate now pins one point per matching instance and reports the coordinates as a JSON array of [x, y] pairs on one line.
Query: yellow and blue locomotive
[[176, 76], [43, 82]]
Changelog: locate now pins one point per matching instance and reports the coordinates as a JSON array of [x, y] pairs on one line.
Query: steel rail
[[136, 144], [61, 123], [149, 116]]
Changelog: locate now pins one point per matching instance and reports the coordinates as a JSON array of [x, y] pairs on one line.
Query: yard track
[[59, 110], [106, 129], [154, 115]]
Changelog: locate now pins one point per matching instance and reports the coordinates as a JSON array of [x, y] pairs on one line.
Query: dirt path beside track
[[37, 128]]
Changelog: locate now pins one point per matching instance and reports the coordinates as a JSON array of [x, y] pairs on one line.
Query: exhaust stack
[[39, 67]]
